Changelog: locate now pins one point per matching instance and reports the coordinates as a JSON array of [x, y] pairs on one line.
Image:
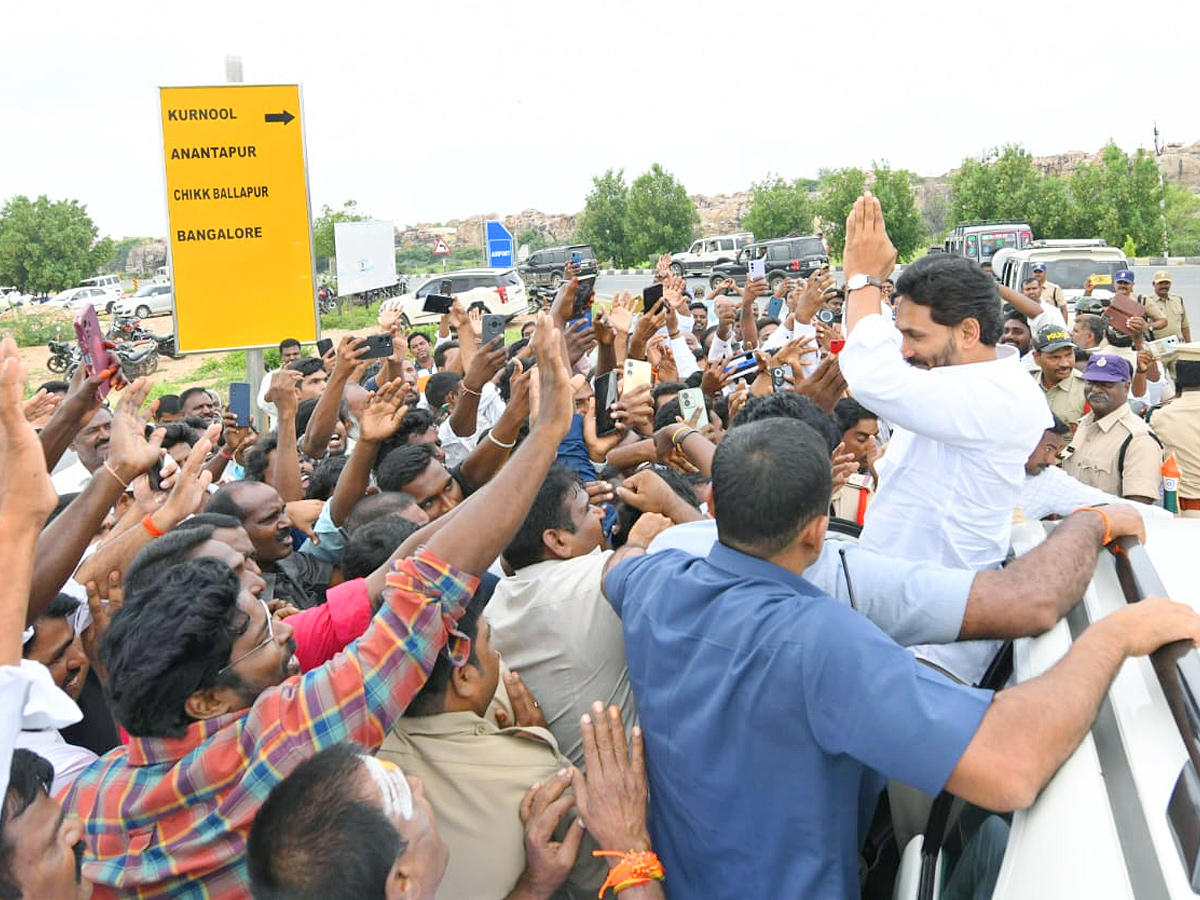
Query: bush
[[33, 328]]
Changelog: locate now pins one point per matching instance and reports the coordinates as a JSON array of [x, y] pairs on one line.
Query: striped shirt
[[169, 817]]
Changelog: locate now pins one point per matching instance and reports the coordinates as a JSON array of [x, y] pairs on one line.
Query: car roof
[[784, 240]]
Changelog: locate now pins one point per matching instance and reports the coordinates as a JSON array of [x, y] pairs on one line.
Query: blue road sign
[[499, 245]]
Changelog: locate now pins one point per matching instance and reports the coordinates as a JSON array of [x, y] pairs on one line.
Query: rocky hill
[[722, 212]]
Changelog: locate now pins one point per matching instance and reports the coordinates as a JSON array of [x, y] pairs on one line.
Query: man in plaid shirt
[[204, 680]]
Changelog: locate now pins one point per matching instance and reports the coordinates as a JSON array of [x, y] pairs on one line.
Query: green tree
[[1118, 199], [839, 189], [46, 246], [323, 231], [777, 208], [602, 223], [1183, 221], [659, 215], [894, 188]]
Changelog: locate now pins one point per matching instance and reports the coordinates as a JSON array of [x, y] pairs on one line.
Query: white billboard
[[366, 256]]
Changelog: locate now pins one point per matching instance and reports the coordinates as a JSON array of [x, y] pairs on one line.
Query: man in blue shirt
[[771, 710]]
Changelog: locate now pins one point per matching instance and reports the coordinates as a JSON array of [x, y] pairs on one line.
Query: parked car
[[150, 300], [77, 298], [790, 257], [981, 241], [1121, 818], [545, 267], [111, 285], [699, 259], [500, 290]]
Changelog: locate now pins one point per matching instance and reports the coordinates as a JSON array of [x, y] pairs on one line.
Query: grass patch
[[352, 317], [34, 328]]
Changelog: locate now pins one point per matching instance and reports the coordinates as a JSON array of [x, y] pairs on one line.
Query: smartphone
[[651, 295], [239, 402], [742, 363], [91, 342], [774, 305], [757, 269], [1163, 346], [637, 373], [577, 258], [584, 296], [446, 288], [691, 402], [605, 387], [324, 345], [779, 378], [378, 346], [493, 327], [438, 303]]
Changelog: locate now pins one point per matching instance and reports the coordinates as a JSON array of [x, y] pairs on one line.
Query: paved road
[[1185, 281]]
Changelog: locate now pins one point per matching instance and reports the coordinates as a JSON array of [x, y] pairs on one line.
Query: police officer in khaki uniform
[[1054, 353], [1178, 426], [1167, 314], [1051, 292], [1113, 449]]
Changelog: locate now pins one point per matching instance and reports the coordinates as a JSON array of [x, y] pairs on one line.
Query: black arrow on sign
[[283, 117]]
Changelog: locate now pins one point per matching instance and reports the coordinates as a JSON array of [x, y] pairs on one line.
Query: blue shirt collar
[[735, 562]]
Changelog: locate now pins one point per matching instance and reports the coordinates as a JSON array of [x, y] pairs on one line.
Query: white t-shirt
[[955, 465]]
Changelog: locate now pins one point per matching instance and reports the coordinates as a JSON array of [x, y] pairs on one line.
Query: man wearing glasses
[[205, 682]]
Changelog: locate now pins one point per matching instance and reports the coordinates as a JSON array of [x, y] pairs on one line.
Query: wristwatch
[[854, 282]]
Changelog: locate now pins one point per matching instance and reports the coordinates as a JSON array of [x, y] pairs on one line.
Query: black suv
[[790, 257], [545, 267]]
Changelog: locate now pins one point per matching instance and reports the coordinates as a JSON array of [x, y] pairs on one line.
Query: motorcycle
[[129, 328], [326, 301], [64, 357]]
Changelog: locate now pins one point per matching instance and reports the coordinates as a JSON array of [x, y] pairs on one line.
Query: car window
[[429, 287], [511, 278], [807, 247], [460, 284], [725, 243], [777, 252], [696, 247]]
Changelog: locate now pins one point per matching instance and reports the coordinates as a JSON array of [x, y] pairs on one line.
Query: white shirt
[[1056, 493], [954, 467], [458, 447], [71, 479], [67, 759], [551, 623], [1050, 315]]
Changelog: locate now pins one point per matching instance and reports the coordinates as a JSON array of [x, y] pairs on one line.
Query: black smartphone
[[324, 345], [239, 402], [584, 295], [605, 387], [379, 345], [650, 296], [438, 303], [493, 327], [779, 380]]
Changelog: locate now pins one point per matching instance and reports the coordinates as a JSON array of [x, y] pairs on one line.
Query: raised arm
[[324, 417], [483, 367], [868, 252], [381, 419], [1023, 304], [72, 414], [287, 455], [26, 499]]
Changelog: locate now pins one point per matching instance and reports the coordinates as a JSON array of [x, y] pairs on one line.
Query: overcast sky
[[428, 111]]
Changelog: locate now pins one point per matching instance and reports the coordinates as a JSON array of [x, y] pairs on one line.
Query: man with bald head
[[297, 578]]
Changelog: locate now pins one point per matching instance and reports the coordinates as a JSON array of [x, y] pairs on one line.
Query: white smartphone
[[637, 372], [691, 401], [1163, 346], [758, 269]]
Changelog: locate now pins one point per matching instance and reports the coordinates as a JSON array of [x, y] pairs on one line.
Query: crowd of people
[[466, 622]]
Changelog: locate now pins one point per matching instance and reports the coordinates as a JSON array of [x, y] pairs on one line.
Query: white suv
[[500, 290], [150, 300], [1068, 264], [111, 285], [705, 253]]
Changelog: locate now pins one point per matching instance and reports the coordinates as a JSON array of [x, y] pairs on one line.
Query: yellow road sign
[[237, 204]]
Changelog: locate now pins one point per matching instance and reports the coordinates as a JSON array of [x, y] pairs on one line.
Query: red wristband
[[151, 527]]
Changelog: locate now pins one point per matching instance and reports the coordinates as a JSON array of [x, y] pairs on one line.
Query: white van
[[1068, 264], [981, 241], [705, 253], [111, 285]]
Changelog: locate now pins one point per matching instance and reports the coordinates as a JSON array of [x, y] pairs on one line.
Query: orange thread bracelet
[[151, 527], [1107, 521], [634, 870]]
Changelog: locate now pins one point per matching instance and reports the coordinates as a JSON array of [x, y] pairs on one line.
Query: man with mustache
[[1054, 353], [1114, 450], [91, 446]]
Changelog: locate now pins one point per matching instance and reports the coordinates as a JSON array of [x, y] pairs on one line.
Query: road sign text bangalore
[[246, 233]]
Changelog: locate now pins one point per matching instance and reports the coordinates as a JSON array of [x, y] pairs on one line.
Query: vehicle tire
[[56, 364], [108, 307], [677, 269], [715, 281], [555, 280], [147, 366], [142, 312], [775, 280]]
